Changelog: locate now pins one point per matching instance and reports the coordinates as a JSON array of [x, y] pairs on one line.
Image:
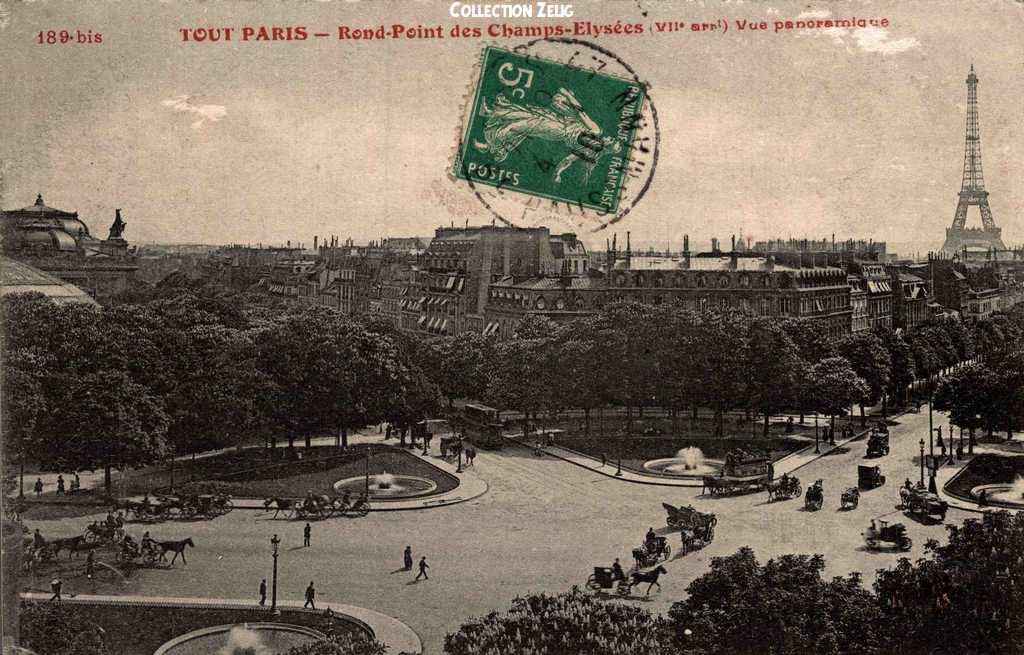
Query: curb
[[398, 636]]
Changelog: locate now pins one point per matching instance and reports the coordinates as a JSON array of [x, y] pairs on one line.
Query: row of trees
[[988, 394], [963, 597], [90, 388], [633, 355], [187, 371]]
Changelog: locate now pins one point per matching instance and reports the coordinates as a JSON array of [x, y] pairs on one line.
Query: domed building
[[58, 242]]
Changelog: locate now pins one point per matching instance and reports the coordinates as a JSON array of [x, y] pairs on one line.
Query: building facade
[[58, 242]]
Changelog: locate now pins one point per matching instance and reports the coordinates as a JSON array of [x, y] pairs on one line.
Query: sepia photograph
[[590, 327]]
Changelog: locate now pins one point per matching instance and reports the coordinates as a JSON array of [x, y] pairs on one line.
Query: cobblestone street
[[542, 526]]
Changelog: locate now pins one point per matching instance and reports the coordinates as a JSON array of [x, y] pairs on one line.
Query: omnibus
[[481, 425]]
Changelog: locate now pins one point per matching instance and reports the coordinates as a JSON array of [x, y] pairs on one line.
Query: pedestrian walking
[[306, 533], [310, 596], [604, 459], [942, 446], [38, 487], [37, 539], [407, 558], [76, 483], [55, 586], [263, 591], [60, 485], [90, 565], [423, 570]]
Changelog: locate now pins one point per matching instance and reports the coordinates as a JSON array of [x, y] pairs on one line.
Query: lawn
[[985, 469], [141, 629], [638, 449], [315, 469]]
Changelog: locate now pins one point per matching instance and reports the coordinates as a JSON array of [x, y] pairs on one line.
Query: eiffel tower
[[972, 190]]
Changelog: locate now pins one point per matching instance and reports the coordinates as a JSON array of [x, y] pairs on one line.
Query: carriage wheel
[[149, 558], [363, 509], [592, 583], [90, 537], [624, 588], [227, 505], [906, 543]]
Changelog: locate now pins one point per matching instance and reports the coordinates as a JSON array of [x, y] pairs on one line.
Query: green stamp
[[550, 130]]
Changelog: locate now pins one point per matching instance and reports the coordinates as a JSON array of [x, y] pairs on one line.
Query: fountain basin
[[680, 467], [387, 486], [255, 638], [1008, 494]]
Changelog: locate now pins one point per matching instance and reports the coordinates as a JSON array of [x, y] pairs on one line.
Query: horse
[[60, 544], [285, 505], [177, 547], [651, 577]]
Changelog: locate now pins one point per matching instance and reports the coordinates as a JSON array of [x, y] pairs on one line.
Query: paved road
[[541, 527]]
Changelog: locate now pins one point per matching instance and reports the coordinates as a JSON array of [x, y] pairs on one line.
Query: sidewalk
[[787, 464], [399, 637]]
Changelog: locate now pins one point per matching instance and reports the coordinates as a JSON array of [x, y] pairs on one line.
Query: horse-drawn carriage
[[814, 498], [850, 498], [104, 532], [920, 503], [160, 508], [133, 553], [605, 578], [450, 447], [652, 551], [742, 472], [877, 536], [784, 488], [878, 443], [696, 528], [318, 506], [869, 477]]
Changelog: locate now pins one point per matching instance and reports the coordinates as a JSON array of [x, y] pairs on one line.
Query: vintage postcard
[[598, 327]]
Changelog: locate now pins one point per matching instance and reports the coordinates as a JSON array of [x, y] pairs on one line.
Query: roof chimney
[[686, 244], [734, 243], [628, 247], [315, 240]]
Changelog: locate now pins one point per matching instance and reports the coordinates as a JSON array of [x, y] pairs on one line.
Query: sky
[[859, 132]]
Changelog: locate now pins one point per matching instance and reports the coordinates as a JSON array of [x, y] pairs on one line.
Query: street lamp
[[931, 442], [921, 443], [459, 469], [817, 450], [366, 472], [274, 542]]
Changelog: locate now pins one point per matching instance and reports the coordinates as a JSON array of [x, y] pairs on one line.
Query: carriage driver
[[650, 541], [617, 572]]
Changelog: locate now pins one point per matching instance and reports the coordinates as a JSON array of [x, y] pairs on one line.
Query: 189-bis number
[[52, 37]]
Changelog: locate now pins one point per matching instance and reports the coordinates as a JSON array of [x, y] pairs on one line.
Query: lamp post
[[817, 450], [938, 431], [459, 469], [921, 443], [931, 442], [366, 472], [274, 542]]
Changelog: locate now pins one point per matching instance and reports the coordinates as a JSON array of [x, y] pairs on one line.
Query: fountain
[[689, 461], [244, 639], [384, 486], [1008, 494]]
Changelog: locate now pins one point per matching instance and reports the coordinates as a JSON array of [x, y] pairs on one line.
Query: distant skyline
[[854, 132]]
